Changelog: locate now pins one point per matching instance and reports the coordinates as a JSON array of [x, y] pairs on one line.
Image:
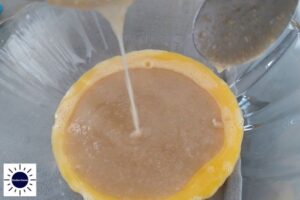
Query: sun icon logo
[[19, 180]]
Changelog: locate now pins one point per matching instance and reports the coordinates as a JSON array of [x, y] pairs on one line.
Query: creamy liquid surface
[[179, 134]]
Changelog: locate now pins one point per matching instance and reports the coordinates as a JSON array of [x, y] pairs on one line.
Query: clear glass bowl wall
[[43, 50]]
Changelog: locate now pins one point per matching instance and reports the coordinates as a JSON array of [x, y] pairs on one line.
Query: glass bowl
[[44, 50]]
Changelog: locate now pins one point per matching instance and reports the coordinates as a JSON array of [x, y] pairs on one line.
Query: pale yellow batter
[[113, 10]]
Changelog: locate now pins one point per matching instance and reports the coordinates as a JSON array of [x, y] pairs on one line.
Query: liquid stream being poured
[[114, 11]]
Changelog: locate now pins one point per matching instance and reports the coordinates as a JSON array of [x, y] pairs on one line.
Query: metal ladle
[[232, 32]]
